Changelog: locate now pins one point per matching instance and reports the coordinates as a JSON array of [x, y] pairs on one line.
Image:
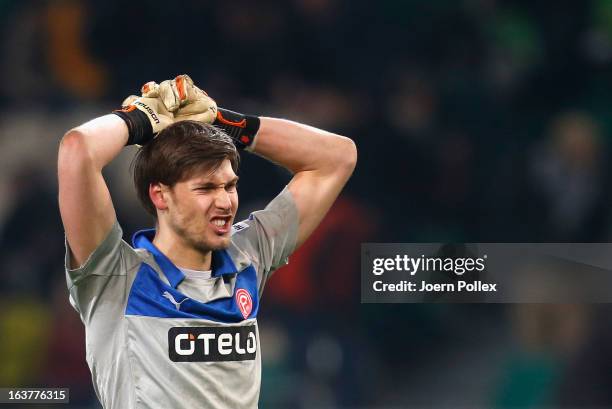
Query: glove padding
[[181, 97], [187, 101], [162, 105], [144, 118], [155, 110]]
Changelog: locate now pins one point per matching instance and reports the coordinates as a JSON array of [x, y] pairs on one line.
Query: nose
[[222, 200]]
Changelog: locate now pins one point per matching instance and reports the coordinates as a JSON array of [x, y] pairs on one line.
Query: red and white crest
[[244, 301]]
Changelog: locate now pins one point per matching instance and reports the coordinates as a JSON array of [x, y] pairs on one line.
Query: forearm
[[95, 143], [321, 161], [300, 148], [84, 200]]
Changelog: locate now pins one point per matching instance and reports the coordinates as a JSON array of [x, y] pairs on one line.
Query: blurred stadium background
[[476, 120]]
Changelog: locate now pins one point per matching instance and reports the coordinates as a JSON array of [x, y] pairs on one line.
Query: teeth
[[219, 222]]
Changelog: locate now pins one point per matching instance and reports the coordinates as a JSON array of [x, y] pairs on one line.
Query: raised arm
[[84, 200], [85, 203], [322, 163]]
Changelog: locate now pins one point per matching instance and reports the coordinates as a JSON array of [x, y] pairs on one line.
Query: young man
[[171, 322]]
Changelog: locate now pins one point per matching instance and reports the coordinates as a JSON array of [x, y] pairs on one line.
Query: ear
[[158, 194]]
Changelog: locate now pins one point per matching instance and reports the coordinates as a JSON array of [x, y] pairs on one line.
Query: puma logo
[[173, 301]]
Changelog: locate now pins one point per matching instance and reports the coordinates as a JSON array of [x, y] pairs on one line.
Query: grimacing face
[[201, 209]]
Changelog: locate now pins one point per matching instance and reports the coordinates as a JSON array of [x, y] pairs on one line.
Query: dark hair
[[178, 152]]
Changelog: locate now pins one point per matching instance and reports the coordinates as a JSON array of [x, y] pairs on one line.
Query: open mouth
[[221, 224]]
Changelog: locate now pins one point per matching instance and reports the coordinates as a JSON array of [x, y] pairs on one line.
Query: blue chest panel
[[151, 297]]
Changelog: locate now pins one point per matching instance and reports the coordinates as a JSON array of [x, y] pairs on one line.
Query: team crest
[[244, 301]]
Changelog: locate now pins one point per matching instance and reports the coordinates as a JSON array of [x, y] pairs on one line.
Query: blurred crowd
[[475, 120]]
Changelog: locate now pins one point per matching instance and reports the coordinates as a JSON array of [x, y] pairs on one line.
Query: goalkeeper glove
[[184, 99], [187, 101], [241, 128], [144, 117], [149, 114]]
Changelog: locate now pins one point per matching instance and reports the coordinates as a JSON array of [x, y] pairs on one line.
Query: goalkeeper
[[171, 320]]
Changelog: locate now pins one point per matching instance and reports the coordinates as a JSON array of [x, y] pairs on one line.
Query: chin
[[223, 245], [218, 243]]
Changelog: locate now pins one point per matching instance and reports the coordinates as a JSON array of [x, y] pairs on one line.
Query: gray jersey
[[156, 340]]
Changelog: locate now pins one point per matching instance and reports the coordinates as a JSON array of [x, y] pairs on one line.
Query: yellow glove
[[144, 117], [187, 101], [181, 97]]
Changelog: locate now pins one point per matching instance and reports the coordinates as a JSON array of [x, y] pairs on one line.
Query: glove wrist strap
[[139, 127], [241, 128]]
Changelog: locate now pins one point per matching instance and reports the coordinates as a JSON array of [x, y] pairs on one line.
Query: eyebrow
[[198, 185]]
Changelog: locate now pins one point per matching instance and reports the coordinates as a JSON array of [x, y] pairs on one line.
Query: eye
[[230, 187]]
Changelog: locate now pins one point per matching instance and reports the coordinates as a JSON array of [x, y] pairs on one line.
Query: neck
[[179, 252]]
